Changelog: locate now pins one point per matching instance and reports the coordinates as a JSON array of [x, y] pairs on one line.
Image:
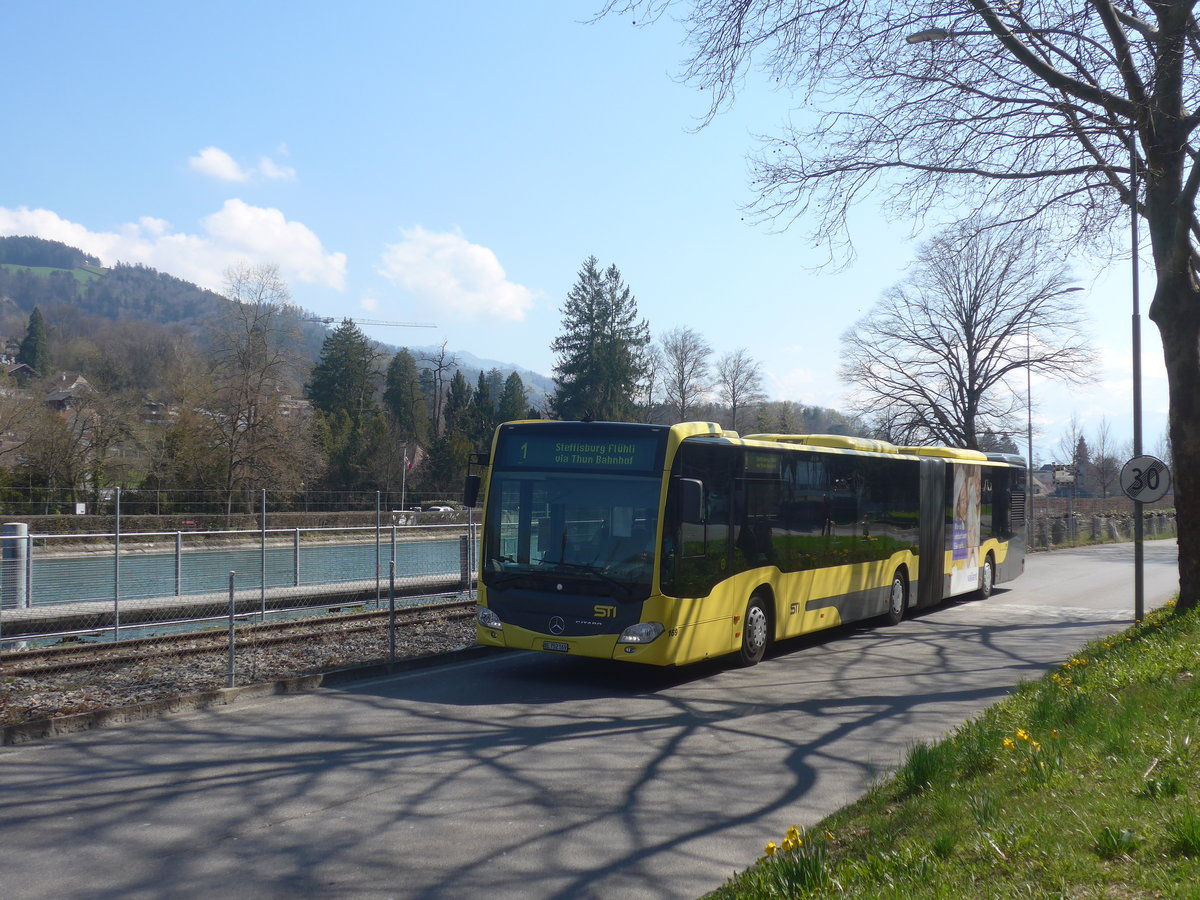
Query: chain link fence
[[91, 620]]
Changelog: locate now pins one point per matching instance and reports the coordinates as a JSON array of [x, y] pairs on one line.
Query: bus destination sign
[[543, 451]]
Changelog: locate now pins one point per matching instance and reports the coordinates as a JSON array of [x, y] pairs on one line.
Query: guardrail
[[68, 585]]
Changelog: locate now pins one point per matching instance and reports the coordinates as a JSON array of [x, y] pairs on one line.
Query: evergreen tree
[[35, 348], [1082, 463], [483, 413], [600, 350], [344, 377], [458, 406], [513, 403], [342, 388], [446, 463], [403, 400]]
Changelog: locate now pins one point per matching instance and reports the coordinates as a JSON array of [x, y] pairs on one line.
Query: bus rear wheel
[[897, 598], [756, 626], [987, 577]]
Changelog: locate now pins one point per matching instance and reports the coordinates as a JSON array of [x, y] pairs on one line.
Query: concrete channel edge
[[59, 726]]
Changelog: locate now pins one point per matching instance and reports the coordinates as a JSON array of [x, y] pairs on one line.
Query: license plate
[[560, 646]]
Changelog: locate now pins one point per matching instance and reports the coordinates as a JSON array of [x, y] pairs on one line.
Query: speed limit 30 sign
[[1145, 479]]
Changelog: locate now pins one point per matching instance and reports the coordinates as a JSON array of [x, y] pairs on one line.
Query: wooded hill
[[78, 296]]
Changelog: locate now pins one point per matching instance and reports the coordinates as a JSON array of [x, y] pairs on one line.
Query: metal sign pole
[[1139, 598], [1144, 479]]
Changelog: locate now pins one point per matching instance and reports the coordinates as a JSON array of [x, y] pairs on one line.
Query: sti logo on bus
[[604, 612]]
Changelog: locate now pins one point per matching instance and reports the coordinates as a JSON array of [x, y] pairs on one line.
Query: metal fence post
[[262, 590], [232, 610], [117, 566], [464, 563], [15, 586], [472, 545], [378, 573], [296, 558], [392, 610]]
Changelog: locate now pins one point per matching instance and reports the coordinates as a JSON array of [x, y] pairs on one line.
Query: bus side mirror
[[471, 491], [691, 500]]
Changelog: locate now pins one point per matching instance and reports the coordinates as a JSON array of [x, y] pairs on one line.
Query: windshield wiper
[[591, 570], [504, 579]]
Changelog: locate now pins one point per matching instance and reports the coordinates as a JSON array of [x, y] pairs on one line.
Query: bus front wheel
[[755, 632]]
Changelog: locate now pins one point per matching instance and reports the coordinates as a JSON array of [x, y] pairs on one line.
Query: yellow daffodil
[[770, 848], [1054, 734], [1023, 735], [1009, 744]]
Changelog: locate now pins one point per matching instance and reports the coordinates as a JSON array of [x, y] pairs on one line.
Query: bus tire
[[987, 577], [756, 631], [897, 598]]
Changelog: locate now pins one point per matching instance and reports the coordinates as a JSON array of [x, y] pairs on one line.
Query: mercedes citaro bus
[[672, 544]]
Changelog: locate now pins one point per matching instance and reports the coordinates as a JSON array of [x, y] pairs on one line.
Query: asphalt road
[[534, 776]]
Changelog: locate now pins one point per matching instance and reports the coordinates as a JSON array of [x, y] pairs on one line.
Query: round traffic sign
[[1146, 479]]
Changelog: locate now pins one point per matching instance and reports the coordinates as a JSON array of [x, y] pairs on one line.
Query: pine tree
[[483, 412], [458, 406], [513, 403], [35, 348], [343, 378], [342, 387], [403, 400], [600, 348], [1083, 464]]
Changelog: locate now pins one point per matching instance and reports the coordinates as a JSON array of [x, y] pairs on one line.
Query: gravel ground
[[108, 685]]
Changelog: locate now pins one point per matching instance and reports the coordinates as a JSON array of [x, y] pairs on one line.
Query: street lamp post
[[942, 34], [1029, 532]]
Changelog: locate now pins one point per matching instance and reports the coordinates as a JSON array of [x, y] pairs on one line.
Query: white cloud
[[216, 163], [268, 168], [448, 271], [236, 232]]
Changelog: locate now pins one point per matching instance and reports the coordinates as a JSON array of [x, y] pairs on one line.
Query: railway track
[[80, 655]]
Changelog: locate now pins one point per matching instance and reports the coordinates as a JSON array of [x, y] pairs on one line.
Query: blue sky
[[454, 164]]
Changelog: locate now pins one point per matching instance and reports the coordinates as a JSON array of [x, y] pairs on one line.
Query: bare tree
[[1105, 464], [253, 365], [1068, 442], [685, 369], [739, 382], [1038, 110], [441, 366], [934, 357], [650, 386]]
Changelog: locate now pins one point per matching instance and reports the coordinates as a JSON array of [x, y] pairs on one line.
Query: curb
[[57, 726]]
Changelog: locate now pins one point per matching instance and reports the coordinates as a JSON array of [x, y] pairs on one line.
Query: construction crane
[[329, 320]]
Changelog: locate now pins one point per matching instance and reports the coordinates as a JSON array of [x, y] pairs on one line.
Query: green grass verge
[[1083, 784]]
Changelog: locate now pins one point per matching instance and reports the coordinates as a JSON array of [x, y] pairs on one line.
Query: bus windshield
[[572, 525]]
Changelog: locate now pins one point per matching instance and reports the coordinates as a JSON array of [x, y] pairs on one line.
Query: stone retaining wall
[[1053, 531]]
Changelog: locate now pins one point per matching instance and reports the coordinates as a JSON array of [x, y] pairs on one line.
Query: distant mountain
[[535, 382], [38, 272]]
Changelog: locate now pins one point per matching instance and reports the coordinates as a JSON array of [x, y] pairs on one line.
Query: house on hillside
[[18, 370], [67, 392]]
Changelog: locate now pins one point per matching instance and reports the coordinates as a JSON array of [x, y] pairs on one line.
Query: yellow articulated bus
[[669, 545]]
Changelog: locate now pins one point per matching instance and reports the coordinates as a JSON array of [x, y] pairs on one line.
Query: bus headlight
[[642, 633], [488, 619]]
